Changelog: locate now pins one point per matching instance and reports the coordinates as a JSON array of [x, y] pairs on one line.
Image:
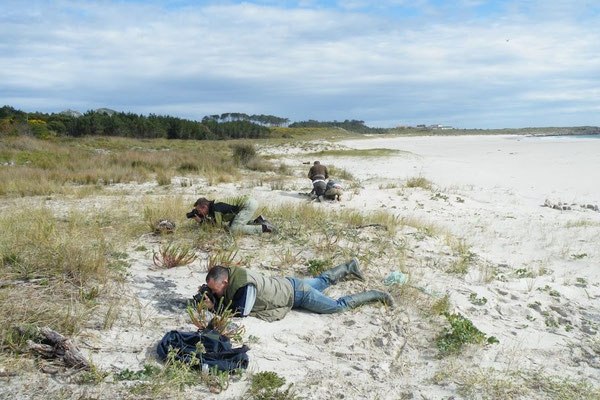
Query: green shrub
[[461, 332], [316, 267], [266, 386]]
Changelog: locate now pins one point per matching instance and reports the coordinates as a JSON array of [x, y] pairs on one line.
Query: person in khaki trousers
[[236, 214]]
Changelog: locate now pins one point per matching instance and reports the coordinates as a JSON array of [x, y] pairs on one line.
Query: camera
[[192, 213], [205, 290]]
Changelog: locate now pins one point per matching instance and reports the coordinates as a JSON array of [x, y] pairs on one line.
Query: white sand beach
[[537, 268]]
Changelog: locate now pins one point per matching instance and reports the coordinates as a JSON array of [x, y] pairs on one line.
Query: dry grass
[[419, 182], [31, 167], [53, 272]]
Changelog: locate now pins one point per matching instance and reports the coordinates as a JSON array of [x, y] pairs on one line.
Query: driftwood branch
[[60, 348], [20, 282], [371, 225]]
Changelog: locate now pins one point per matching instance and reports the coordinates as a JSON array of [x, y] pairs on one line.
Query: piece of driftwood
[[60, 348], [20, 282], [371, 225]]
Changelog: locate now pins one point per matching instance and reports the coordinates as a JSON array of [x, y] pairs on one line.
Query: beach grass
[[30, 167], [53, 272]]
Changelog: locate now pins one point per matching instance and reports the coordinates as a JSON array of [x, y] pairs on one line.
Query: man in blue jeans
[[270, 298]]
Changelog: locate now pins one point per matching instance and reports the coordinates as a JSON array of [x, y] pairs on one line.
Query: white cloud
[[300, 63]]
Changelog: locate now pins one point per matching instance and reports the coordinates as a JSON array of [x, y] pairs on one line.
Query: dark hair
[[317, 163], [217, 273], [202, 201]]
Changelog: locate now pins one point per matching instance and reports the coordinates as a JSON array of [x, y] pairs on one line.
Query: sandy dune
[[537, 268]]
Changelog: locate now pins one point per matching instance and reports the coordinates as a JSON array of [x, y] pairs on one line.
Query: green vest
[[274, 296]]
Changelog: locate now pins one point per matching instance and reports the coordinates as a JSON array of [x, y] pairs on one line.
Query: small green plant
[[523, 273], [549, 320], [316, 267], [478, 301], [465, 258], [579, 256], [534, 305], [92, 376], [441, 306], [266, 386], [287, 259], [459, 199], [581, 282], [140, 375], [220, 321], [554, 293], [172, 255], [439, 196], [461, 332], [224, 258]]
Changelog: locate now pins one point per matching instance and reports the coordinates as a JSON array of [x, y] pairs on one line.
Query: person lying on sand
[[235, 214], [270, 298]]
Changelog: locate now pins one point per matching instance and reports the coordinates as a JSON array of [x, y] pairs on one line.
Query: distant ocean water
[[587, 136]]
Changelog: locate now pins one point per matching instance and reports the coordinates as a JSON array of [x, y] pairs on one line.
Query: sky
[[462, 63]]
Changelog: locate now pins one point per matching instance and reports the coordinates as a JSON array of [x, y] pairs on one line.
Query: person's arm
[[243, 300], [326, 173]]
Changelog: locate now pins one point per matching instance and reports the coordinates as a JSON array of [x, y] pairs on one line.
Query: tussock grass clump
[[243, 152], [172, 208], [419, 182], [465, 257], [340, 173], [173, 255], [52, 271]]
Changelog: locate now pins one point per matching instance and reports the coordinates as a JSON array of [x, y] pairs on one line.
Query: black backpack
[[219, 352]]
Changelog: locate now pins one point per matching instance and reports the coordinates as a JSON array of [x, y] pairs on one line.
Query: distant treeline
[[111, 123], [349, 125], [269, 120]]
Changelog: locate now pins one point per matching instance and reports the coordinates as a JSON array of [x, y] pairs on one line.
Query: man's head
[[201, 205], [217, 280], [316, 163]]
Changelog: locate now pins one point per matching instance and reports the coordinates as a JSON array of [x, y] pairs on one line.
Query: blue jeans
[[308, 295]]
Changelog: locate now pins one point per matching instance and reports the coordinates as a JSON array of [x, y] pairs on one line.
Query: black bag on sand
[[219, 352]]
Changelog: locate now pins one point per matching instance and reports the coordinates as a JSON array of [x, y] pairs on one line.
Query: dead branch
[[370, 225], [60, 348]]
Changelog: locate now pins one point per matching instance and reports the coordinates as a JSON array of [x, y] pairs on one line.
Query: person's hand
[[208, 302]]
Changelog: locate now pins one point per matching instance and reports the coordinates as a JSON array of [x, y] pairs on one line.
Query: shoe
[[268, 228], [338, 273], [369, 296]]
